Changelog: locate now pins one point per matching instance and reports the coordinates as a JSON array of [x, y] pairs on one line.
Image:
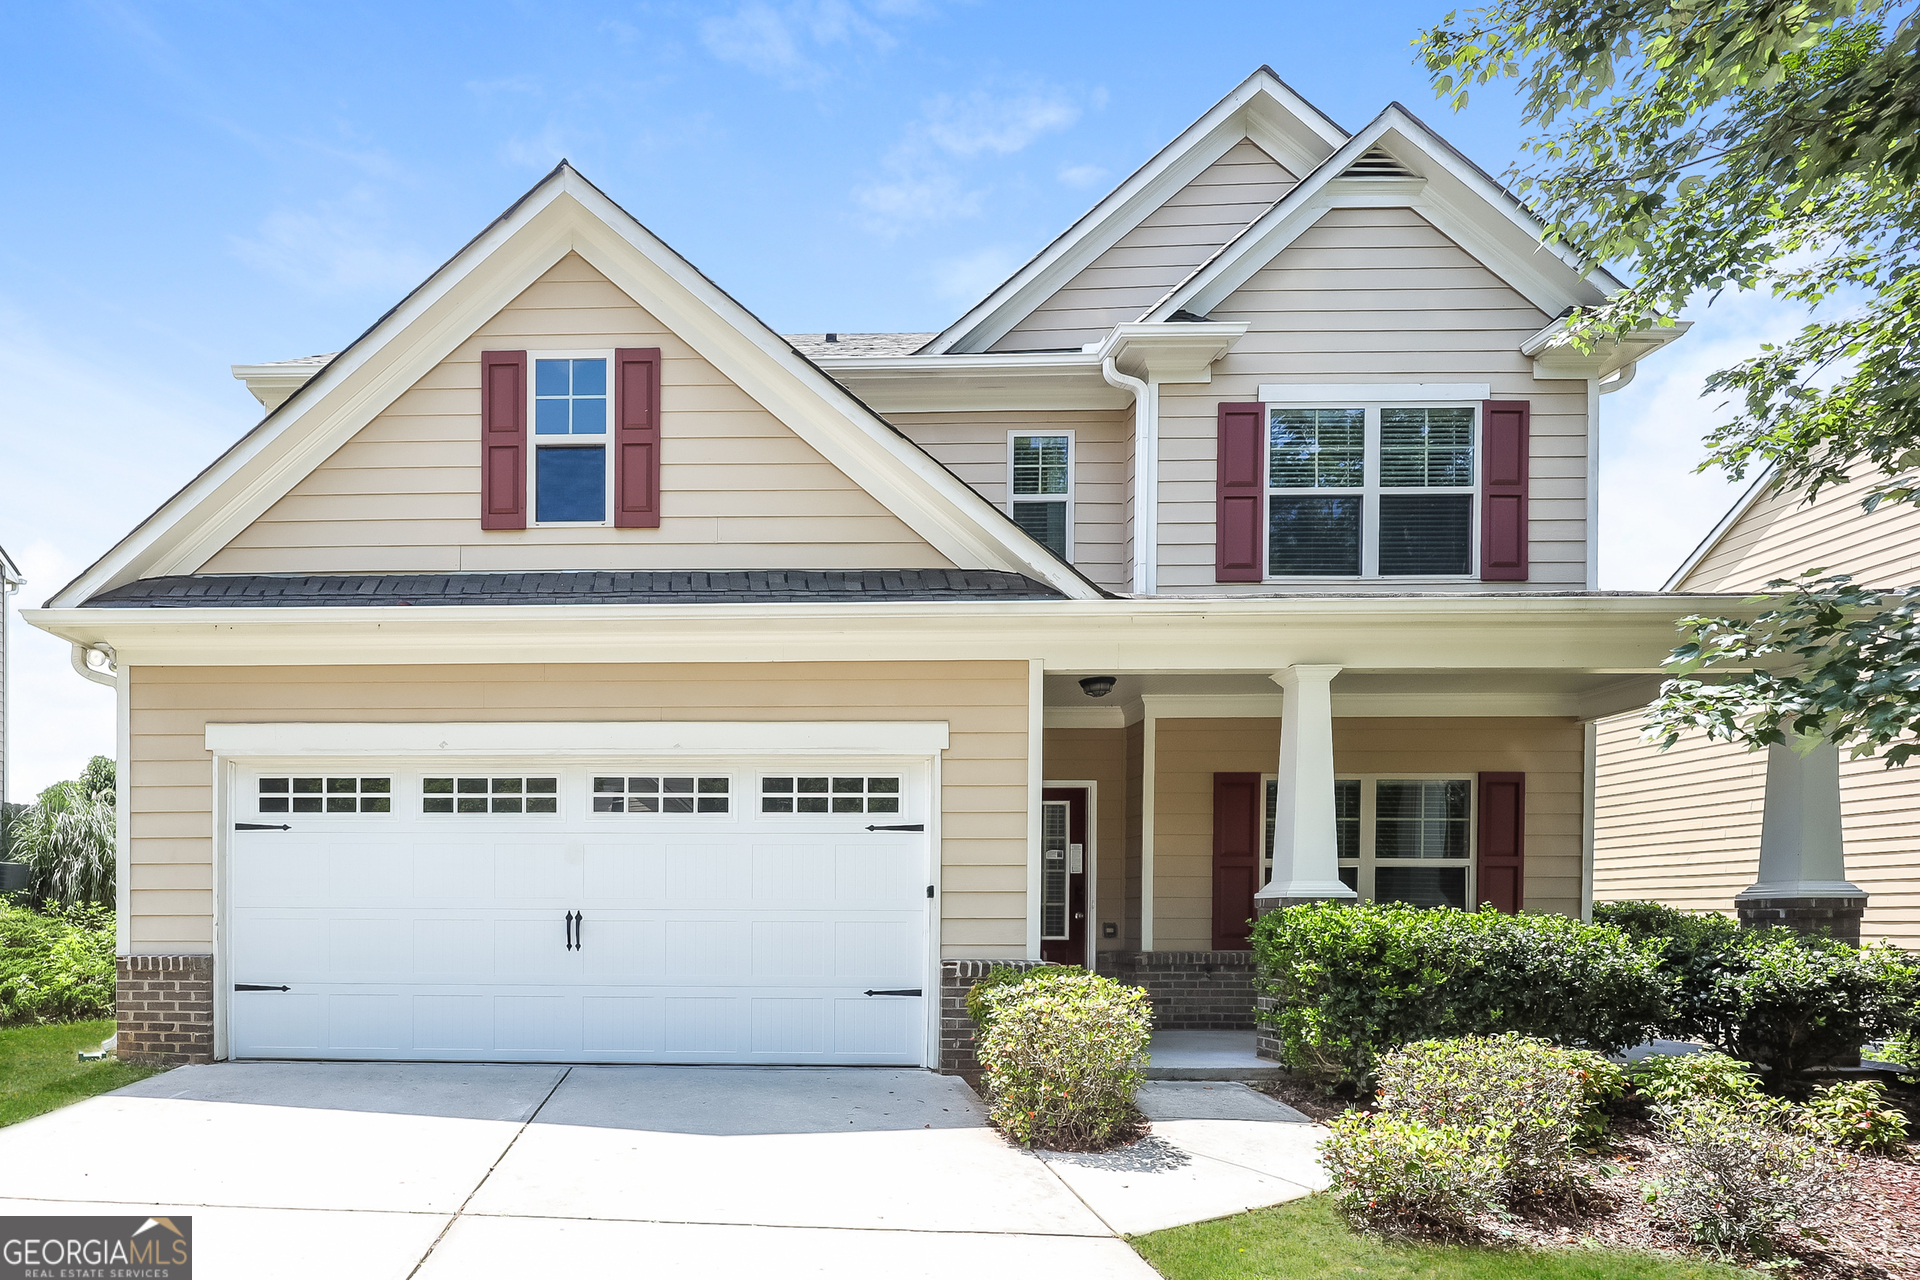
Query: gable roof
[[1262, 108], [1443, 185], [563, 213], [10, 575], [1718, 534]]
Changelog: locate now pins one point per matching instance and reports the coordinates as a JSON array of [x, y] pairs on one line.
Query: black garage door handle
[[257, 986], [900, 991], [261, 826], [905, 826]]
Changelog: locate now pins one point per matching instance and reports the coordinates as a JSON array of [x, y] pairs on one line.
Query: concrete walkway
[[480, 1171]]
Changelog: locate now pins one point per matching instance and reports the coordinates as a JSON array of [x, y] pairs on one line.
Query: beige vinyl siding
[[983, 773], [1376, 295], [1099, 756], [1549, 751], [1683, 826], [1781, 535], [973, 445], [739, 490], [1157, 254]]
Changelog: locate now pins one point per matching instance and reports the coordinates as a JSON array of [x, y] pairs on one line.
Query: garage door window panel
[[498, 795], [334, 794], [829, 794], [662, 794]]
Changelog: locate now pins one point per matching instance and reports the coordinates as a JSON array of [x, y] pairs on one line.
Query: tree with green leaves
[[1770, 145], [66, 839]]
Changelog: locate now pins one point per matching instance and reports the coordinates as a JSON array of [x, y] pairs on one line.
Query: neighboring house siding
[[1683, 826], [1098, 756], [1149, 260], [1548, 750], [739, 489], [973, 445], [983, 772], [1376, 295]]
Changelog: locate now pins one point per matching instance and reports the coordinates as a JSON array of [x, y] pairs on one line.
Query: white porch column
[[1306, 855], [1803, 868]]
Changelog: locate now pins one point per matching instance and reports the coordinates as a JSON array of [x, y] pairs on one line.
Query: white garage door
[[627, 911]]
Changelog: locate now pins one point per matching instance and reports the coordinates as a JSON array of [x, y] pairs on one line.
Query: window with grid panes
[[829, 793], [326, 795], [1398, 839], [1370, 492], [1041, 488]]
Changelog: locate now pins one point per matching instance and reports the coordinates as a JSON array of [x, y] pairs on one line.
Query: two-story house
[[573, 669]]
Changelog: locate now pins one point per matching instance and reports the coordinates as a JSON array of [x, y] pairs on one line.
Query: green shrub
[[1904, 1051], [55, 966], [1791, 1003], [1529, 1096], [1856, 1113], [1352, 982], [1736, 1173], [1005, 975], [1682, 1077], [1696, 947], [66, 839], [1060, 1059], [1397, 1174]]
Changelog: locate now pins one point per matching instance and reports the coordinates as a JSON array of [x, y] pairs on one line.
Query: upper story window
[[1040, 488], [1370, 492], [571, 479]]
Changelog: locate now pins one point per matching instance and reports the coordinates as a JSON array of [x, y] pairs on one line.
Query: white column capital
[[1309, 673], [1801, 852], [1306, 854]]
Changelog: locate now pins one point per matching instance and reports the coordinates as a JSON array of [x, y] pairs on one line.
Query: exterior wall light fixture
[[1097, 686]]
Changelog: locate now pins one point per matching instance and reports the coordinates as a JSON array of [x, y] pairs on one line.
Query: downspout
[[107, 673], [1146, 475], [115, 677]]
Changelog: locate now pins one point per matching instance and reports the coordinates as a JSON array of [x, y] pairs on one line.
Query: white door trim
[[1092, 788], [561, 739]]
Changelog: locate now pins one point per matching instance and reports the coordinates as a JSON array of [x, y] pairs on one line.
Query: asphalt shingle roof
[[678, 586], [815, 345]]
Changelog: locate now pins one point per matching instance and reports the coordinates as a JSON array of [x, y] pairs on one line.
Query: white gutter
[[108, 673], [1146, 475]]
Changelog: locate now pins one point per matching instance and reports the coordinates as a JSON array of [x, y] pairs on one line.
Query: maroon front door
[[1064, 860]]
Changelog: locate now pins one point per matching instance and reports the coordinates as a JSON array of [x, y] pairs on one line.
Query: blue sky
[[200, 185]]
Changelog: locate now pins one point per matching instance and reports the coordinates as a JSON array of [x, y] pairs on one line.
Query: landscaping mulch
[[1874, 1235], [1306, 1096]]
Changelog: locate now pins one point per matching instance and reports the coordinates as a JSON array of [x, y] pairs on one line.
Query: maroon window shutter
[[1236, 857], [1502, 853], [636, 438], [1504, 454], [1238, 488], [503, 439]]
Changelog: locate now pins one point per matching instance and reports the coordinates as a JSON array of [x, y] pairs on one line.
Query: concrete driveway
[[484, 1171]]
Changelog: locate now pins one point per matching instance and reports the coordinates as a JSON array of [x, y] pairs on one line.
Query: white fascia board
[[580, 738], [1171, 351], [1259, 108], [1373, 392], [1596, 634], [566, 214], [1012, 381], [1555, 356], [1452, 194]]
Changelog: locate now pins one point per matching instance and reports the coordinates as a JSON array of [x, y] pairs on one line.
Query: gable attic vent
[[1376, 163]]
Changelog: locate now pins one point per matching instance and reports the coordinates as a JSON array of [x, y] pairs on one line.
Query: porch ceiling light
[[1097, 686]]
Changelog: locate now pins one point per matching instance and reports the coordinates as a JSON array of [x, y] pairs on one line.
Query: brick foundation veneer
[[1824, 917], [165, 1009], [956, 1028], [1190, 990]]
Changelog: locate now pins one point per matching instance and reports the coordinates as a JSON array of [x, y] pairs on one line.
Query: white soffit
[[1262, 109], [561, 214], [1372, 392], [580, 738]]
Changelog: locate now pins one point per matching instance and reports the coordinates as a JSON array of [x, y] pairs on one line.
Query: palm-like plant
[[66, 838]]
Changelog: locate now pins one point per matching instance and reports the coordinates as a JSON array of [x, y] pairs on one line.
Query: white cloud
[[925, 178], [1082, 175], [1654, 508], [983, 122], [342, 246], [969, 278], [785, 43]]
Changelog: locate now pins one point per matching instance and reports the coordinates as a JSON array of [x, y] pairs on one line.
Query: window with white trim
[[1400, 838], [326, 795], [490, 794], [657, 793], [1370, 492], [1040, 487], [829, 793], [571, 477]]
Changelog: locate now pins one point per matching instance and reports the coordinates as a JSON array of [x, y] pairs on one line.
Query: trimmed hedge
[[1772, 996], [1351, 982], [980, 1004], [1060, 1058]]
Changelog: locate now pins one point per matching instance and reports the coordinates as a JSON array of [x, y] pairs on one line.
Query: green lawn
[[1307, 1240], [40, 1069]]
